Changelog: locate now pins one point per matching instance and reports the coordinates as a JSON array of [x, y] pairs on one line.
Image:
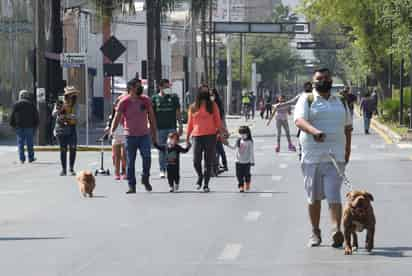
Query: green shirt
[[165, 108]]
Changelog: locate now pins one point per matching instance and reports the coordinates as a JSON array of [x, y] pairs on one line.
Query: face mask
[[243, 136], [171, 142], [139, 90], [204, 96], [212, 98], [308, 89], [167, 91], [323, 86]]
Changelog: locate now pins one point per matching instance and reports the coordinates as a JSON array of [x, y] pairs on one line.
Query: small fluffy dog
[[358, 215], [86, 182]]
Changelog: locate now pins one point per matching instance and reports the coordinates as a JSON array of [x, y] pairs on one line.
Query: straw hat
[[71, 91]]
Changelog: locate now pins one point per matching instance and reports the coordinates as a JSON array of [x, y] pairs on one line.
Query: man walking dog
[[326, 125]]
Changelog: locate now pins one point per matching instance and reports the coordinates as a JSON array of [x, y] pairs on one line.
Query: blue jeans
[[143, 144], [25, 137], [162, 140], [367, 116]]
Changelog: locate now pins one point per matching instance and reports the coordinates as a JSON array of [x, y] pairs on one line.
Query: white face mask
[[167, 91], [243, 136], [212, 98], [171, 142]]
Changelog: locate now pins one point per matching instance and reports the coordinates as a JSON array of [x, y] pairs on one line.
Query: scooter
[[102, 171]]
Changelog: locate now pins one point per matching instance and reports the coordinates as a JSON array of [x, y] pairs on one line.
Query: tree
[[153, 20], [362, 21]]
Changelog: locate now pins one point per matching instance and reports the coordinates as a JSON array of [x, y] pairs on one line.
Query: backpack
[[311, 98]]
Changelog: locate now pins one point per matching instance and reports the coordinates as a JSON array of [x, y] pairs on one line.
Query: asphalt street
[[47, 228]]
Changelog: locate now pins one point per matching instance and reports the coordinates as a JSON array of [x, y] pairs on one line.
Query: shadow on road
[[216, 192], [29, 238], [393, 252]]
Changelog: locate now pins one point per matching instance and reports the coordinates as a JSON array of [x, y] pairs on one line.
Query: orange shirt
[[203, 123]]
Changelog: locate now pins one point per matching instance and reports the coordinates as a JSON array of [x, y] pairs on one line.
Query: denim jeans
[[68, 143], [367, 120], [143, 144], [25, 137], [162, 137], [204, 146]]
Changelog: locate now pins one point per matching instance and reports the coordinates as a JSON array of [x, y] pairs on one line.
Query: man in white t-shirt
[[326, 125]]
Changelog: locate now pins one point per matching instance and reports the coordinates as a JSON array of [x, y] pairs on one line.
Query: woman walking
[[204, 123], [65, 130]]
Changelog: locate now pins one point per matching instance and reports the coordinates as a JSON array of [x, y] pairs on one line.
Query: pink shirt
[[135, 115]]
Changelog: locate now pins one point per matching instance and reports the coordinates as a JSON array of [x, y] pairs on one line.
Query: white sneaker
[[162, 174]]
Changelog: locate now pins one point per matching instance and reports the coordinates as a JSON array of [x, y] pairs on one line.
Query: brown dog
[[86, 182], [358, 215]]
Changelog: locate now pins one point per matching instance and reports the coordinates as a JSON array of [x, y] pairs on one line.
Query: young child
[[172, 151], [281, 114], [245, 158], [118, 146]]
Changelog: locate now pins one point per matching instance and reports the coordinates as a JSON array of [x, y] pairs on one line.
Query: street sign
[[313, 45], [73, 59], [113, 69], [113, 48], [259, 27]]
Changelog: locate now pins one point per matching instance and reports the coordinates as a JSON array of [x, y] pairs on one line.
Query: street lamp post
[[401, 93]]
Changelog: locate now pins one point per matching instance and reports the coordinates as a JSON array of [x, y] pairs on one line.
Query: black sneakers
[[131, 191], [146, 183]]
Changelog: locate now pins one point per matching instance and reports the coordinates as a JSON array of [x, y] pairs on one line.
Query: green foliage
[[391, 107], [362, 21]]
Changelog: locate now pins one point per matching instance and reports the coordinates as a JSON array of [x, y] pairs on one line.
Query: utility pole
[[390, 61], [401, 93], [40, 83], [241, 63], [229, 63], [150, 14]]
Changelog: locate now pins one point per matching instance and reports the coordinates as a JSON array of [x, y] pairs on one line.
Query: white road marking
[[405, 146], [230, 252], [277, 177], [354, 147], [378, 146], [93, 164], [394, 183], [283, 166], [253, 216], [15, 192]]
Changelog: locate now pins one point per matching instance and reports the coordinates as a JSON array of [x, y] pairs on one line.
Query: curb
[[387, 134], [79, 148]]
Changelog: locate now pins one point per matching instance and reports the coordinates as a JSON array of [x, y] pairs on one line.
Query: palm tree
[[200, 9], [154, 9]]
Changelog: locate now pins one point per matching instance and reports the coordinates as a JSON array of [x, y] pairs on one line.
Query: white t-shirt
[[330, 117]]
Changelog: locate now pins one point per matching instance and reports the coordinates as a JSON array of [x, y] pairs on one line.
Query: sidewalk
[[96, 133]]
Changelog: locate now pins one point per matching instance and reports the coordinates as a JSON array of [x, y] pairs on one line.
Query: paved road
[[46, 228]]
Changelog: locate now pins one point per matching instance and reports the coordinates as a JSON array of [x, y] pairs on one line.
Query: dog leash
[[346, 181]]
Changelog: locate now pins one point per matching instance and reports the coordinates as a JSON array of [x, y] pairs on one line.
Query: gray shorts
[[323, 181]]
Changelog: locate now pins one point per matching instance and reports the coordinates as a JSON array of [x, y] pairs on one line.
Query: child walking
[[281, 113], [172, 151], [118, 146], [245, 158]]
